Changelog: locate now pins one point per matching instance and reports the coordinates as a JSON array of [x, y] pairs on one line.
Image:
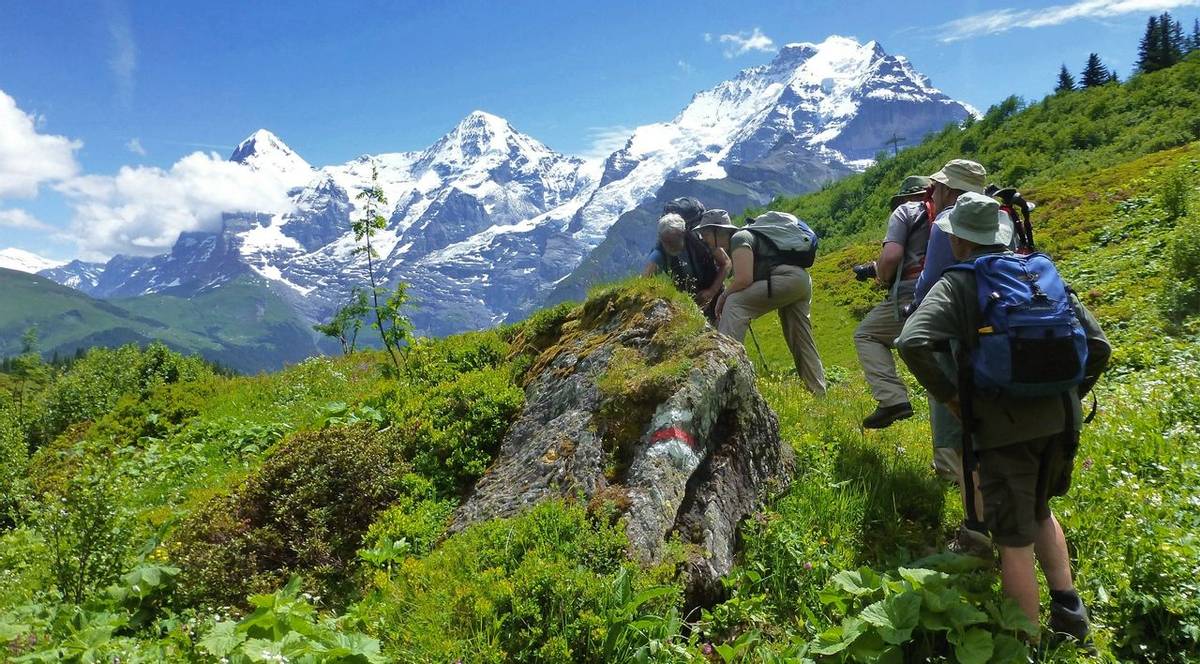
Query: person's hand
[[704, 297], [864, 271], [721, 305], [955, 408]]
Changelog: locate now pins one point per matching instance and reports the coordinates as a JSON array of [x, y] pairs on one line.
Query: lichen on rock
[[632, 399]]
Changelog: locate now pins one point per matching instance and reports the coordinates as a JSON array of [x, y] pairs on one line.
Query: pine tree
[[1194, 45], [1066, 82], [1150, 48], [1094, 73], [1179, 43], [1112, 76]]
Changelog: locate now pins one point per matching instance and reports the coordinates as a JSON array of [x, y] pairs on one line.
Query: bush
[[537, 587], [14, 458], [433, 361], [1181, 291], [418, 519], [87, 531], [92, 386], [1173, 194], [304, 511], [451, 431]]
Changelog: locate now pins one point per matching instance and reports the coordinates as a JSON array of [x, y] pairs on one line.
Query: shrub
[[14, 458], [536, 587], [1173, 194], [87, 531], [451, 431], [418, 518], [433, 361], [304, 511], [93, 384], [1181, 291]]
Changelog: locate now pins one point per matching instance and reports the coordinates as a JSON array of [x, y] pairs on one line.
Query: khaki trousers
[[791, 295], [874, 339]]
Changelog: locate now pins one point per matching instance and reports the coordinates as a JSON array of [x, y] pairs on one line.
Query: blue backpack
[[1031, 344]]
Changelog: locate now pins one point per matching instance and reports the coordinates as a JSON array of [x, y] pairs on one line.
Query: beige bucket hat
[[962, 174], [716, 218], [976, 217]]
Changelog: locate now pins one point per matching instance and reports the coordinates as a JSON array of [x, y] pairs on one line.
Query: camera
[[864, 271]]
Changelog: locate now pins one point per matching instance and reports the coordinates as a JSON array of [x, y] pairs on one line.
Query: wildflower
[[807, 566], [1087, 463], [707, 649]]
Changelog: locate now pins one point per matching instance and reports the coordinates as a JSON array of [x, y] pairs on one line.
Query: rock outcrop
[[634, 401]]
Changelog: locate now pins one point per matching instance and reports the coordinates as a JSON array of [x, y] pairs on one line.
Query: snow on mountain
[[486, 221], [26, 261]]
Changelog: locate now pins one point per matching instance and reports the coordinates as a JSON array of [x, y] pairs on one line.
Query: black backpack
[[700, 256], [687, 207]]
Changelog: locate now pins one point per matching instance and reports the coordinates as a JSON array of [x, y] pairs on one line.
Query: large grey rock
[[636, 401]]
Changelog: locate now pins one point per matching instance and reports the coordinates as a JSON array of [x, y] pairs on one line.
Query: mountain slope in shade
[[488, 223]]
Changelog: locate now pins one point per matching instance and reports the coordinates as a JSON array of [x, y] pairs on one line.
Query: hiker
[[695, 268], [1025, 430], [897, 268], [767, 256]]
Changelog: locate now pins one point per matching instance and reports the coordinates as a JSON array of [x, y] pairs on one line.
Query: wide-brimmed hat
[[976, 217], [716, 219], [962, 174], [913, 185]]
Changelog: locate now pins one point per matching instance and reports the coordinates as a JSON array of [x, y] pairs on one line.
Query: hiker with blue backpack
[[1026, 351], [770, 257]]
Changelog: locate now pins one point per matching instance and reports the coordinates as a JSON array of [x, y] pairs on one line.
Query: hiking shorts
[[1018, 481]]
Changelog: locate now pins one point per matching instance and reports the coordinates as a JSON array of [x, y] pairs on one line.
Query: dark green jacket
[[950, 312]]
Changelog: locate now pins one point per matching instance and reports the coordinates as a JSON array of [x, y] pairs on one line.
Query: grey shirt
[[950, 312], [764, 253], [908, 228]]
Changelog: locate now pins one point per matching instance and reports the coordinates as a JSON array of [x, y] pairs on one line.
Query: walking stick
[[754, 338]]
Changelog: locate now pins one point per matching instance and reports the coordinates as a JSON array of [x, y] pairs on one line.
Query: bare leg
[[1051, 547], [1019, 579]]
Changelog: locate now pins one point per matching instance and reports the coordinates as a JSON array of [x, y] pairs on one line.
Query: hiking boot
[[969, 542], [1073, 623], [883, 416]]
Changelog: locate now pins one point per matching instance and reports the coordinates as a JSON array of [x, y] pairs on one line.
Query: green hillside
[[153, 511], [243, 325]]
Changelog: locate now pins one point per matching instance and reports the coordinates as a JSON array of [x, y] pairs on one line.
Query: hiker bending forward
[[1025, 446], [760, 284]]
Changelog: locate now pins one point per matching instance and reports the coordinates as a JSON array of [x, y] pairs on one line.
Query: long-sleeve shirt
[[939, 256], [950, 313]]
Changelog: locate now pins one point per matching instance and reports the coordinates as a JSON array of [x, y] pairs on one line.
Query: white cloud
[[606, 140], [743, 43], [29, 158], [123, 61], [20, 219], [708, 37], [685, 67], [142, 209], [135, 146], [1003, 20]]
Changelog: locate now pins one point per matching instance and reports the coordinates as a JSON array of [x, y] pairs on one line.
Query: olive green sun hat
[[913, 185]]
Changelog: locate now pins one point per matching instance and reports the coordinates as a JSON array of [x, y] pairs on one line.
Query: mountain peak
[[263, 150], [26, 261]]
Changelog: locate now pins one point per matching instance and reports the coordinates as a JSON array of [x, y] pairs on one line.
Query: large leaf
[[858, 583], [222, 639], [1008, 650], [895, 617], [836, 639], [1008, 615], [973, 646], [920, 577]]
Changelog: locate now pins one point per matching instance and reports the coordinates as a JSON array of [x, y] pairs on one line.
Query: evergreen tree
[[1112, 76], [1094, 73], [1179, 43], [1150, 48], [1194, 44], [1066, 82]]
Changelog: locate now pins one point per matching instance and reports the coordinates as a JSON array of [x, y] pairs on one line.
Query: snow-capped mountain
[[25, 261], [487, 222]]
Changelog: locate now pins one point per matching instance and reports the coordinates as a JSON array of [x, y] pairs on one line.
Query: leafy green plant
[[347, 321], [285, 626]]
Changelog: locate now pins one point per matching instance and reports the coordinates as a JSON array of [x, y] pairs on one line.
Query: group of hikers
[[1002, 346]]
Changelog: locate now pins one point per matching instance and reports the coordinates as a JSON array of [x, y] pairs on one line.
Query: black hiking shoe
[[1072, 623], [883, 416]]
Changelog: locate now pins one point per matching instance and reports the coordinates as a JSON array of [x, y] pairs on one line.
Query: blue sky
[[147, 83]]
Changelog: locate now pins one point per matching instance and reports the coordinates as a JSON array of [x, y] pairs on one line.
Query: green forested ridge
[[156, 511], [243, 324]]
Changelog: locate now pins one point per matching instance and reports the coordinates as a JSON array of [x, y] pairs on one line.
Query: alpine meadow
[[385, 424]]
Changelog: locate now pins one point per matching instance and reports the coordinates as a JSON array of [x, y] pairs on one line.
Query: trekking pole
[[969, 462], [754, 338]]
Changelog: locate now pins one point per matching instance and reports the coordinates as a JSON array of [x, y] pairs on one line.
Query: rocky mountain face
[[487, 223]]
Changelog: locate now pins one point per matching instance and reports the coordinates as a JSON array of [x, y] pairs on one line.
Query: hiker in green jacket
[[761, 284], [897, 268], [1025, 446]]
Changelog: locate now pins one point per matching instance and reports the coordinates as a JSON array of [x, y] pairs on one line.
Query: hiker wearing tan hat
[[1024, 443], [897, 268]]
